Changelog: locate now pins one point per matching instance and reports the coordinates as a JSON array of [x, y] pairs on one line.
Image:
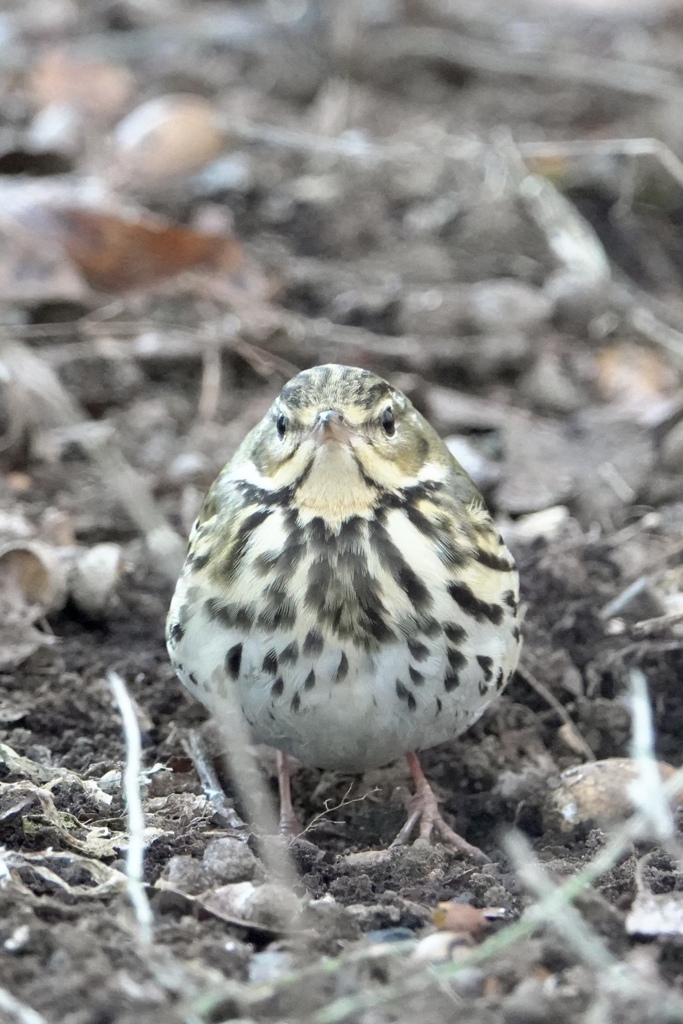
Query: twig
[[210, 391], [247, 779], [396, 45], [622, 600], [657, 624], [647, 791], [209, 780], [337, 807], [570, 238], [19, 1011], [136, 820], [282, 346], [51, 405], [550, 699]]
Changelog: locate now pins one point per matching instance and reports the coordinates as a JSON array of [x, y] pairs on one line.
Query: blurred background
[[481, 201]]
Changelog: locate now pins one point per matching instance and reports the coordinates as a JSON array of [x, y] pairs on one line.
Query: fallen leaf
[[634, 378], [118, 253], [106, 880], [32, 583], [463, 918], [39, 773]]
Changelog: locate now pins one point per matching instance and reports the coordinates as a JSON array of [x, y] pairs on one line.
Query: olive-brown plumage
[[345, 580]]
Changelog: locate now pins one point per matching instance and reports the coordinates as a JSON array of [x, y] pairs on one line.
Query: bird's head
[[339, 435]]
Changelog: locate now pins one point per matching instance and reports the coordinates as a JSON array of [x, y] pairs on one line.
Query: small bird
[[346, 581]]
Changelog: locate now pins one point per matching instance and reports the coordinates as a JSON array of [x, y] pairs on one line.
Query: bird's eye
[[388, 423], [281, 425]]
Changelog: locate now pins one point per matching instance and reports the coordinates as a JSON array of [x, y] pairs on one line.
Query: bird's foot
[[290, 826], [425, 813]]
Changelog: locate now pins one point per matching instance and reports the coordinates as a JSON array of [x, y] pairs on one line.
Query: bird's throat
[[334, 486]]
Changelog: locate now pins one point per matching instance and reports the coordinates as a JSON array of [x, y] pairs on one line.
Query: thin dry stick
[[50, 405], [463, 51], [210, 394], [209, 780], [344, 802], [136, 819], [550, 699], [570, 238], [246, 776], [647, 791], [658, 624], [618, 603], [19, 1012]]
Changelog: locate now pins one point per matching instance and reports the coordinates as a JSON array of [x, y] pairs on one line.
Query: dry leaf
[[106, 880], [116, 253], [32, 583], [39, 773], [35, 269], [635, 378], [463, 918]]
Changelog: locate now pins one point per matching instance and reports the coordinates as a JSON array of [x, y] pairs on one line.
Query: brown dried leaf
[[460, 918], [117, 253], [635, 378]]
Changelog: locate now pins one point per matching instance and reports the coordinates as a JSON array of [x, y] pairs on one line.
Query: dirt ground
[[426, 188]]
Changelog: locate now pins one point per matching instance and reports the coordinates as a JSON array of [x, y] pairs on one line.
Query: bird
[[347, 586]]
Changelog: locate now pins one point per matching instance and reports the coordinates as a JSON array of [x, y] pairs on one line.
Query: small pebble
[[94, 577], [188, 466], [187, 874], [442, 946], [270, 965], [230, 860], [508, 304], [381, 935]]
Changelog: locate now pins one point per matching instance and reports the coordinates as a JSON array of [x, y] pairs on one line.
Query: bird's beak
[[330, 425]]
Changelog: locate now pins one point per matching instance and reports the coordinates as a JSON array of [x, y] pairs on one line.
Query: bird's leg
[[425, 811], [289, 823]]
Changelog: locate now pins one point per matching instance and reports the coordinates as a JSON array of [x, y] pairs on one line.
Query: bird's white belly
[[342, 707]]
